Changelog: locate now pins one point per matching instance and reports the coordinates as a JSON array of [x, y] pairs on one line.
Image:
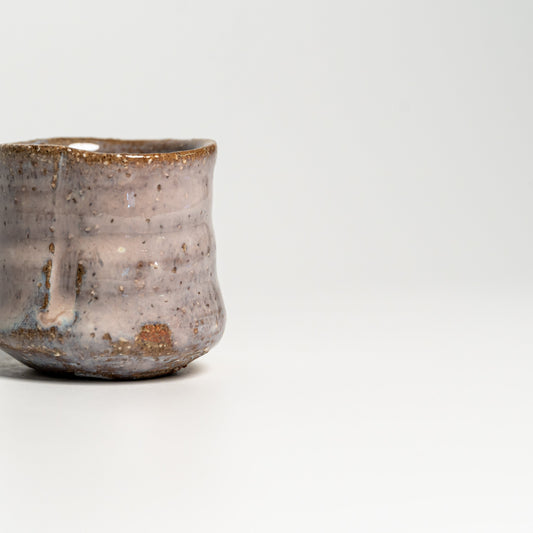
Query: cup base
[[100, 367]]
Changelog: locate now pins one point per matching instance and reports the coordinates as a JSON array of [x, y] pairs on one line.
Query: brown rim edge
[[57, 145]]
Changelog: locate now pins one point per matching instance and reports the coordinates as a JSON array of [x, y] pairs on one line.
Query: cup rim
[[195, 148]]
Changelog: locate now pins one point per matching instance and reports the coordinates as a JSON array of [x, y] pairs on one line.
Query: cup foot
[[125, 367]]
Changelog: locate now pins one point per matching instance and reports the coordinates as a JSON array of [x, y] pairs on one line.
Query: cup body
[[107, 259]]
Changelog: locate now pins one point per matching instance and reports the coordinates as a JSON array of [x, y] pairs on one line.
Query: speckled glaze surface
[[108, 255]]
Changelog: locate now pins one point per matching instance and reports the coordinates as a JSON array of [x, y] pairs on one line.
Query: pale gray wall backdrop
[[361, 143]]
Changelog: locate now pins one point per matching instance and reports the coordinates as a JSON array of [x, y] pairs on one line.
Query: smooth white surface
[[411, 413], [373, 218]]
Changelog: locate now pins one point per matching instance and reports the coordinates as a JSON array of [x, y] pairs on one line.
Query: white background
[[373, 216]]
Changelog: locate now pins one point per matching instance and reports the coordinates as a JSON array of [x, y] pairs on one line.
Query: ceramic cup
[[107, 255]]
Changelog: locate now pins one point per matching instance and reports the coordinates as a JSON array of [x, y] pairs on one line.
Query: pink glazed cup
[[107, 265]]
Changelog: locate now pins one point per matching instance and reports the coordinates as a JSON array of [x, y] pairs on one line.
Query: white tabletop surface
[[410, 412]]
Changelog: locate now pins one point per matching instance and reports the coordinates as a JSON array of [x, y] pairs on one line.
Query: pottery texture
[[107, 259]]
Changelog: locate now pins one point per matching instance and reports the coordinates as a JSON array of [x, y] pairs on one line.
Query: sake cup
[[108, 255]]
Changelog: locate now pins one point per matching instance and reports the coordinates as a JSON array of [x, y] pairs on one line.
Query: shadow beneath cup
[[10, 368]]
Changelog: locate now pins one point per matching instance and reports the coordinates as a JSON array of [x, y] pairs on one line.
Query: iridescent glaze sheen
[[107, 265]]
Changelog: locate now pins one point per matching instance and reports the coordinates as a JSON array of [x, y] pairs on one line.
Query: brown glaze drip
[[80, 272], [47, 270]]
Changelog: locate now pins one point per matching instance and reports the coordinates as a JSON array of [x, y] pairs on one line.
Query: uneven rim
[[56, 145]]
